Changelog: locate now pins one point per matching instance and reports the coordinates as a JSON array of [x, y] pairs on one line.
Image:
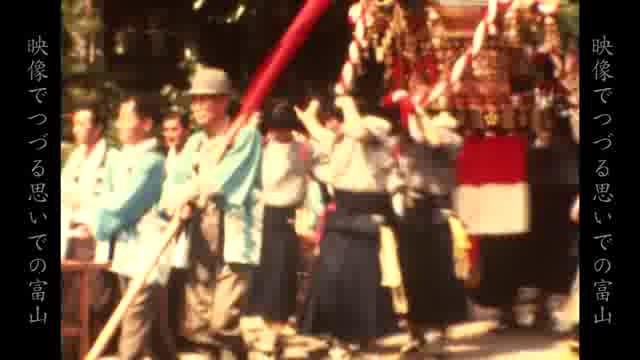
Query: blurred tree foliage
[[569, 22], [84, 72]]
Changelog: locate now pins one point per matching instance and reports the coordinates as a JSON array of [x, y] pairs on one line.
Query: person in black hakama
[[491, 198], [436, 297], [347, 301], [272, 295], [554, 183]]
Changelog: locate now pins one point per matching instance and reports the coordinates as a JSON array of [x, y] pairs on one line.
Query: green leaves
[[569, 22]]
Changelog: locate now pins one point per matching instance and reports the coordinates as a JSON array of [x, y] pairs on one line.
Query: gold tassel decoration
[[390, 269], [461, 246]]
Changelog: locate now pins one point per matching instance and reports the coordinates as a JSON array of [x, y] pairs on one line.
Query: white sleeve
[[319, 150], [376, 126], [367, 127]]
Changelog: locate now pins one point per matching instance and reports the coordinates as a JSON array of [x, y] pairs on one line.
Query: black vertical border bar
[[597, 339], [43, 20], [588, 32]]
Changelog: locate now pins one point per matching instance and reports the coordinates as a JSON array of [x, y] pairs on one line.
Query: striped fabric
[[492, 197]]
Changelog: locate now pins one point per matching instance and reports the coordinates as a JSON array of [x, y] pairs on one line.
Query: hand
[[255, 119], [310, 114], [186, 212]]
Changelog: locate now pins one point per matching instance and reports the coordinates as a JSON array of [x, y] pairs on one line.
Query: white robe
[[82, 182]]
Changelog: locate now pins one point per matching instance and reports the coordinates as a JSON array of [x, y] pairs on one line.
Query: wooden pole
[[271, 69], [99, 346], [172, 230], [281, 55]]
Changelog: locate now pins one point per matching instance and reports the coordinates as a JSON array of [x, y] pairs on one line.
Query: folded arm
[[119, 209]]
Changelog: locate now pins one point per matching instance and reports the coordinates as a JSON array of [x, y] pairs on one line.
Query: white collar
[[172, 152], [97, 155], [93, 160], [141, 147]]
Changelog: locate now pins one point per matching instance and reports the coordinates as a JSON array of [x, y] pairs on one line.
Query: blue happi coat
[[236, 178], [133, 185]]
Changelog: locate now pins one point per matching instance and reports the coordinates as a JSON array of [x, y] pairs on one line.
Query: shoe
[[252, 328], [265, 343], [575, 347], [343, 351], [269, 346], [340, 353], [288, 330], [544, 323], [507, 323], [415, 345]]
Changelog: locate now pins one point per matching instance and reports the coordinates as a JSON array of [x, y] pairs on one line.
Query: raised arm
[[309, 118]]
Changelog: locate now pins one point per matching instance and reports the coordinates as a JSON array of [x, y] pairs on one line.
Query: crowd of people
[[374, 196]]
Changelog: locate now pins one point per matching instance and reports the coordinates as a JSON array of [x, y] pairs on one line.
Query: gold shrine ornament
[[491, 119], [384, 3]]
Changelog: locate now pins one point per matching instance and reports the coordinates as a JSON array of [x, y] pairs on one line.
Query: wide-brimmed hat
[[210, 81]]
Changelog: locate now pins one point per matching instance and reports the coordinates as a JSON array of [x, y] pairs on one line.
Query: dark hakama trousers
[[502, 265], [436, 296], [273, 290], [551, 266], [346, 299]]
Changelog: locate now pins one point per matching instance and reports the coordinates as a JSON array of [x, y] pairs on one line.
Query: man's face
[[173, 132], [131, 128], [208, 109], [85, 131]]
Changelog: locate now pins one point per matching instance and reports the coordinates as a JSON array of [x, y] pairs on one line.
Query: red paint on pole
[[282, 54]]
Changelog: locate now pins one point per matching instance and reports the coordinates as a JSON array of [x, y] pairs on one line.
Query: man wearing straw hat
[[223, 218]]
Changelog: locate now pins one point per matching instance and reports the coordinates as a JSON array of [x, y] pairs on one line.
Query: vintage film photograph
[[326, 179]]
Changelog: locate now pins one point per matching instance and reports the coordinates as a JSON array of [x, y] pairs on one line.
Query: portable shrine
[[493, 63]]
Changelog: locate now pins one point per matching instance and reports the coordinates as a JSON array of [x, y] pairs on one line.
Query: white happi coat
[[82, 182]]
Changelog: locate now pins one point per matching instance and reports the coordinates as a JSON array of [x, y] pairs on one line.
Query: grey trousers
[[145, 330], [215, 298], [215, 292]]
